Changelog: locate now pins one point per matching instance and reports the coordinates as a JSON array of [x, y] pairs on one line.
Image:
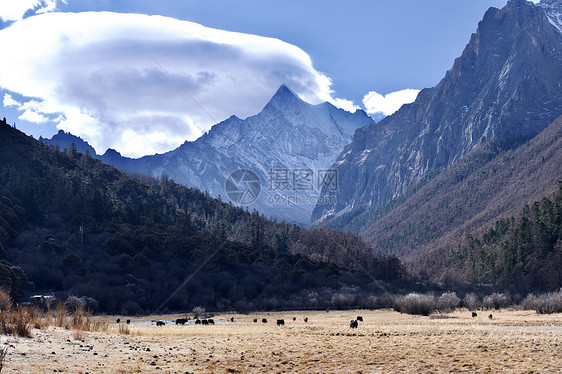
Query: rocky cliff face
[[553, 10], [506, 85], [287, 146]]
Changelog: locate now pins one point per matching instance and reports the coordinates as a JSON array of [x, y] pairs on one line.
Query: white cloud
[[389, 103], [32, 116], [109, 74], [10, 101], [14, 10]]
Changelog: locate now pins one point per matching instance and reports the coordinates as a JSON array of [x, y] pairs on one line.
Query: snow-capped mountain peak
[[287, 140]]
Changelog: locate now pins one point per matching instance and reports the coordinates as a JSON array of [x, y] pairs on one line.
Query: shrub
[[17, 321], [448, 302], [124, 329], [60, 315], [544, 304], [342, 300], [5, 300], [74, 303], [471, 301], [415, 303], [496, 301], [198, 311]]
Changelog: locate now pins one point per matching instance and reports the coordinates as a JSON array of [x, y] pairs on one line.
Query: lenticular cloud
[[144, 84]]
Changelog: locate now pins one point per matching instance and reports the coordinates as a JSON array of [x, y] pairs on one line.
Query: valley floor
[[512, 342]]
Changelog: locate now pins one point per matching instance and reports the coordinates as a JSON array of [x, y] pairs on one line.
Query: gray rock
[[506, 86]]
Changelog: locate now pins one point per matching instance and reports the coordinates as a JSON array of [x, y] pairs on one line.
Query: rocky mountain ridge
[[505, 86], [288, 146]]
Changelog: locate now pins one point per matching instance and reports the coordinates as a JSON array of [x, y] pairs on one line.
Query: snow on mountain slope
[[289, 145], [553, 10]]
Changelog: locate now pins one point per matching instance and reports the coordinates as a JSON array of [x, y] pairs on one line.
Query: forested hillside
[[522, 253], [470, 196], [81, 227]]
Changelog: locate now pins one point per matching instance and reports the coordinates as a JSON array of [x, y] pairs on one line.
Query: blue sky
[[145, 95]]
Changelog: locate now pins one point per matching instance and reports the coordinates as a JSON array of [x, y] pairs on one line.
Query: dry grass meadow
[[386, 342]]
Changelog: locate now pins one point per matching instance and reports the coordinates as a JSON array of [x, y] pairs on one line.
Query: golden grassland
[[386, 342]]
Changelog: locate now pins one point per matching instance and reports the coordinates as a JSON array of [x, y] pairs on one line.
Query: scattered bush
[[544, 304], [471, 302], [60, 315], [198, 311], [415, 303], [448, 302], [18, 322], [73, 303], [496, 301], [124, 329], [5, 300], [342, 300], [79, 334]]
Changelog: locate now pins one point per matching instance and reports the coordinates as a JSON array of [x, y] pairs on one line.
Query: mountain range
[[289, 146], [470, 152], [504, 89]]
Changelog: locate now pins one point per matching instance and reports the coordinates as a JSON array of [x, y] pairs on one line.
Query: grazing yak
[[211, 321], [231, 319], [204, 322], [359, 318], [353, 324], [474, 314], [490, 316], [255, 320], [118, 320], [305, 319], [128, 322], [280, 322], [181, 321], [263, 320], [294, 318], [197, 321], [160, 323]]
